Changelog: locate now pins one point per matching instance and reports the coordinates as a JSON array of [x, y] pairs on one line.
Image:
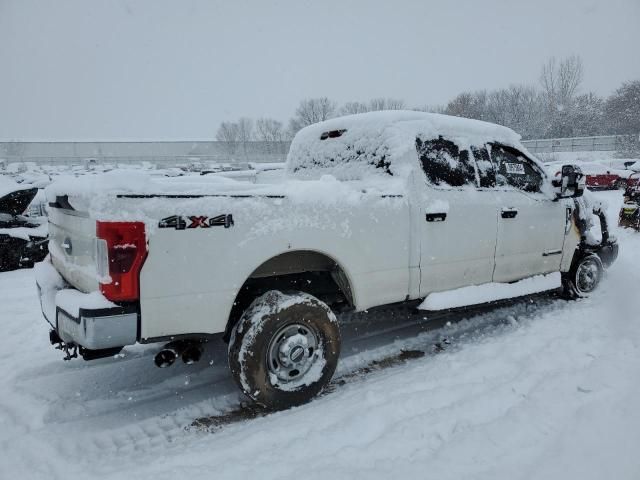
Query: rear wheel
[[584, 276], [284, 349]]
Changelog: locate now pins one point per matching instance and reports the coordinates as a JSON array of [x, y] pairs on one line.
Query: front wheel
[[284, 349], [583, 277]]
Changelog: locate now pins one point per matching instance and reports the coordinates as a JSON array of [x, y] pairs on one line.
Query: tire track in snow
[[420, 334]]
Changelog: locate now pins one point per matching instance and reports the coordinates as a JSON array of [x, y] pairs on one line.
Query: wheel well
[[311, 272]]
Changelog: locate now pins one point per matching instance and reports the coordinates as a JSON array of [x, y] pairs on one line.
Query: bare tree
[[272, 133], [374, 105], [245, 130], [351, 108], [430, 108], [622, 109], [587, 116], [310, 111], [395, 104], [245, 133], [228, 132], [269, 130], [386, 104], [622, 114], [561, 80], [469, 105], [518, 107]]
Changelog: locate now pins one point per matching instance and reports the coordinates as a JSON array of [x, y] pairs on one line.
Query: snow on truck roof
[[383, 139]]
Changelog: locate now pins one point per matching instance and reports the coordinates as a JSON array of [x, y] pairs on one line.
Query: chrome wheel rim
[[292, 352], [587, 276]]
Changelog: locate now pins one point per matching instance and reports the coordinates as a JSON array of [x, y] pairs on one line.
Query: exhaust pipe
[[189, 350], [165, 358], [192, 353]]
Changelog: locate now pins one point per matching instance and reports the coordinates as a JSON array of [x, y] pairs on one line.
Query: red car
[[597, 175]]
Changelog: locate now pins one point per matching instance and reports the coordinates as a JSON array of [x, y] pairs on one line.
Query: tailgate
[[72, 237]]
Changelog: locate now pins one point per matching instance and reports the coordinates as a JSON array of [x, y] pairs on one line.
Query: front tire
[[284, 349], [583, 277]]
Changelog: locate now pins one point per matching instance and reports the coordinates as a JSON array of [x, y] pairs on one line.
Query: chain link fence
[[622, 144], [160, 153]]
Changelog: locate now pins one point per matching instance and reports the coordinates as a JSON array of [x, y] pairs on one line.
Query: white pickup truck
[[373, 209]]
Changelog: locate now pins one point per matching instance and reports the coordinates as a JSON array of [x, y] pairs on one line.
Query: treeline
[[309, 111], [554, 106]]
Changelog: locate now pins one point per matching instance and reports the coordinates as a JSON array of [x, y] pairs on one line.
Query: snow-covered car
[[23, 239], [632, 164], [372, 209], [598, 175], [34, 179]]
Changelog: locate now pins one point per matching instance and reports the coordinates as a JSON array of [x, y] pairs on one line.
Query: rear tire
[[284, 349], [583, 277]]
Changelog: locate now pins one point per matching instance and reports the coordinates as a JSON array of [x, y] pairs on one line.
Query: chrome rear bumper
[[86, 326]]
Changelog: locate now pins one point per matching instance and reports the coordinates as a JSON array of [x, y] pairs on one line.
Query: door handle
[[436, 217], [509, 213]]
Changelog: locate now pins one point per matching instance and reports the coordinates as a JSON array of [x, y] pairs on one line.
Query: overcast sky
[[175, 69]]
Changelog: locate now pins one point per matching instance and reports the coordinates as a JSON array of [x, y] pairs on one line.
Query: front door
[[531, 226]]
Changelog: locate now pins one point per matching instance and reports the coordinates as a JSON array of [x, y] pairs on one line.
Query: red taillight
[[126, 251]]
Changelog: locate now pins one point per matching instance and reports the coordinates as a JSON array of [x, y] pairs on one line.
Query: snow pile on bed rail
[[138, 182], [378, 143], [96, 194]]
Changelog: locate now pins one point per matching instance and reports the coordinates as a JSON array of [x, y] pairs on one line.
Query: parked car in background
[[599, 176], [632, 164], [23, 239]]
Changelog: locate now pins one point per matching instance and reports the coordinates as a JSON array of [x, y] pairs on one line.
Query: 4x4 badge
[[178, 222]]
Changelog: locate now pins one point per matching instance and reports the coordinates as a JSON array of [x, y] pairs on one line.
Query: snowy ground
[[540, 389]]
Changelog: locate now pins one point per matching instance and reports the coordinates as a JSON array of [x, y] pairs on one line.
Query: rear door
[[531, 226], [457, 221]]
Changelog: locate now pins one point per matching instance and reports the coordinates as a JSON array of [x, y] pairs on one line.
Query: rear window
[[445, 164]]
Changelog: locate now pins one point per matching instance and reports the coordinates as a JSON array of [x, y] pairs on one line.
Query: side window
[[486, 168], [514, 169], [445, 164]]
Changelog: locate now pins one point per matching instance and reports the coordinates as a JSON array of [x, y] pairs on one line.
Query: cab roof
[[384, 137]]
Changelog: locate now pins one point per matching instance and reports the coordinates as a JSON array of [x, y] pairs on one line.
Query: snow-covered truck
[[374, 209]]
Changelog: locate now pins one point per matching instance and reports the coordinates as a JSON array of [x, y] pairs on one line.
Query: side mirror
[[571, 182]]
